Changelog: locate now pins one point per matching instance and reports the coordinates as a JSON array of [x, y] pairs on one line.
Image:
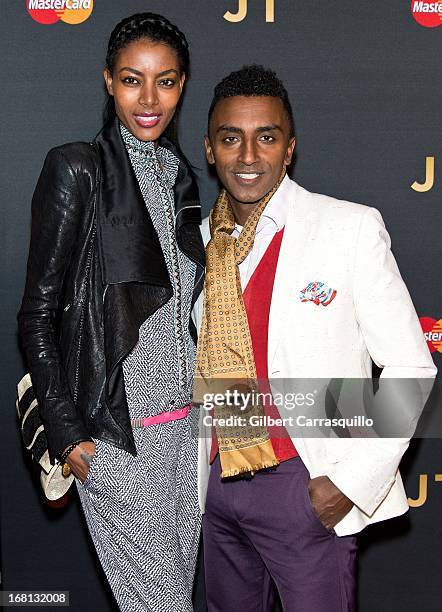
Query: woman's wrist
[[67, 451]]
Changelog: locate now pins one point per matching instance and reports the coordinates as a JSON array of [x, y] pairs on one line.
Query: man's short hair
[[253, 80]]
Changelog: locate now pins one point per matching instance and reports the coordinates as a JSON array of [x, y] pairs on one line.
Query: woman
[[115, 265]]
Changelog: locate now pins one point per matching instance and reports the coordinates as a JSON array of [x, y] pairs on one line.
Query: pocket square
[[318, 293]]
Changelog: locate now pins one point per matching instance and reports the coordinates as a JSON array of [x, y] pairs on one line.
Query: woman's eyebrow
[[135, 71], [164, 72], [131, 70]]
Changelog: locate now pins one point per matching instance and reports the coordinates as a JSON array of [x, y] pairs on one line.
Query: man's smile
[[247, 178]]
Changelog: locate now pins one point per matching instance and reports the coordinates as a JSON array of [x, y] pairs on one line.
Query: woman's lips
[[147, 121]]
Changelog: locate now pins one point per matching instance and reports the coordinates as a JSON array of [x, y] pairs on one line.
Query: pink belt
[[163, 417]]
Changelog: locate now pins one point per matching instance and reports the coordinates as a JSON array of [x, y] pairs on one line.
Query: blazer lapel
[[294, 248]]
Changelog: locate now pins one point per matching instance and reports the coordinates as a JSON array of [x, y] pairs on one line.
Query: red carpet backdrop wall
[[366, 86]]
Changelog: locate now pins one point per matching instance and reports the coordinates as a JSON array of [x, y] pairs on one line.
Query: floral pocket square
[[318, 293]]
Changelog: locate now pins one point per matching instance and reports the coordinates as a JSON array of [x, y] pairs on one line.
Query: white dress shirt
[[271, 221]]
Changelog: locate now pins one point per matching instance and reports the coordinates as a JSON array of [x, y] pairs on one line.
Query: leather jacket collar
[[129, 248]]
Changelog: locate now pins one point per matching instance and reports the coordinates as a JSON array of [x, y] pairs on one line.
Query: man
[[298, 285]]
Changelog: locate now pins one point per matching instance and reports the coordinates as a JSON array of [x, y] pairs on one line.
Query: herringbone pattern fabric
[[142, 512], [143, 516]]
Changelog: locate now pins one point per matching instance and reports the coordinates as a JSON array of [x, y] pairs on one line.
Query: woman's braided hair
[[155, 28]]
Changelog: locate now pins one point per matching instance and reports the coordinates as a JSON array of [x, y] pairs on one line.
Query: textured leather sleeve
[[56, 213]]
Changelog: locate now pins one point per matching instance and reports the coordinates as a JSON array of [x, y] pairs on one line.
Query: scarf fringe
[[244, 470]]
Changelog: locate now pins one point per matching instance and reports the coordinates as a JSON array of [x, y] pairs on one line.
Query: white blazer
[[346, 246]]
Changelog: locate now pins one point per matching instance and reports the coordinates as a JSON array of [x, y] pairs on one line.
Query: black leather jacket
[[75, 328]]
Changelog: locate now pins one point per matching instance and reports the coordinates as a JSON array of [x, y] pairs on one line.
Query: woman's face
[[146, 85]]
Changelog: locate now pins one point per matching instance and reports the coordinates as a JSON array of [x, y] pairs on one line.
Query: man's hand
[[329, 503], [79, 459]]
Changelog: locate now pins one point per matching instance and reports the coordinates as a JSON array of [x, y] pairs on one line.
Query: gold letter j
[[429, 177], [240, 15]]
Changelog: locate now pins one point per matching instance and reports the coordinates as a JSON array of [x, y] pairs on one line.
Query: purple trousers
[[263, 532]]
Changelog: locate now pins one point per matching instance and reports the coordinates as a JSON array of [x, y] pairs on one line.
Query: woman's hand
[[79, 459]]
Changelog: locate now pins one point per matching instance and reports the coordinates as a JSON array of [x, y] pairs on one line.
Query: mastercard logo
[[427, 14], [51, 11], [432, 332]]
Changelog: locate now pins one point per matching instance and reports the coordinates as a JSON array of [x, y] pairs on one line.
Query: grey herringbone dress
[[142, 512]]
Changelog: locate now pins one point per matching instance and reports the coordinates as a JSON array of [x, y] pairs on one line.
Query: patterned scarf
[[225, 358]]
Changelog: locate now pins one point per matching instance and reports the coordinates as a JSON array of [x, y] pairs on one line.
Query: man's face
[[249, 142]]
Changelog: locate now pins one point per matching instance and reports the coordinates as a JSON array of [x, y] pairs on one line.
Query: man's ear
[[108, 80], [209, 153], [289, 152]]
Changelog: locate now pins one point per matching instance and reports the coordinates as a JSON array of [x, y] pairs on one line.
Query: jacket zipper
[[82, 304], [83, 293]]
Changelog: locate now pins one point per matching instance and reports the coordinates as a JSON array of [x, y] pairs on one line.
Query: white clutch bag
[[55, 479]]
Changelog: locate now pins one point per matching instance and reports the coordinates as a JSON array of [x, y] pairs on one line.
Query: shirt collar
[[276, 210]]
